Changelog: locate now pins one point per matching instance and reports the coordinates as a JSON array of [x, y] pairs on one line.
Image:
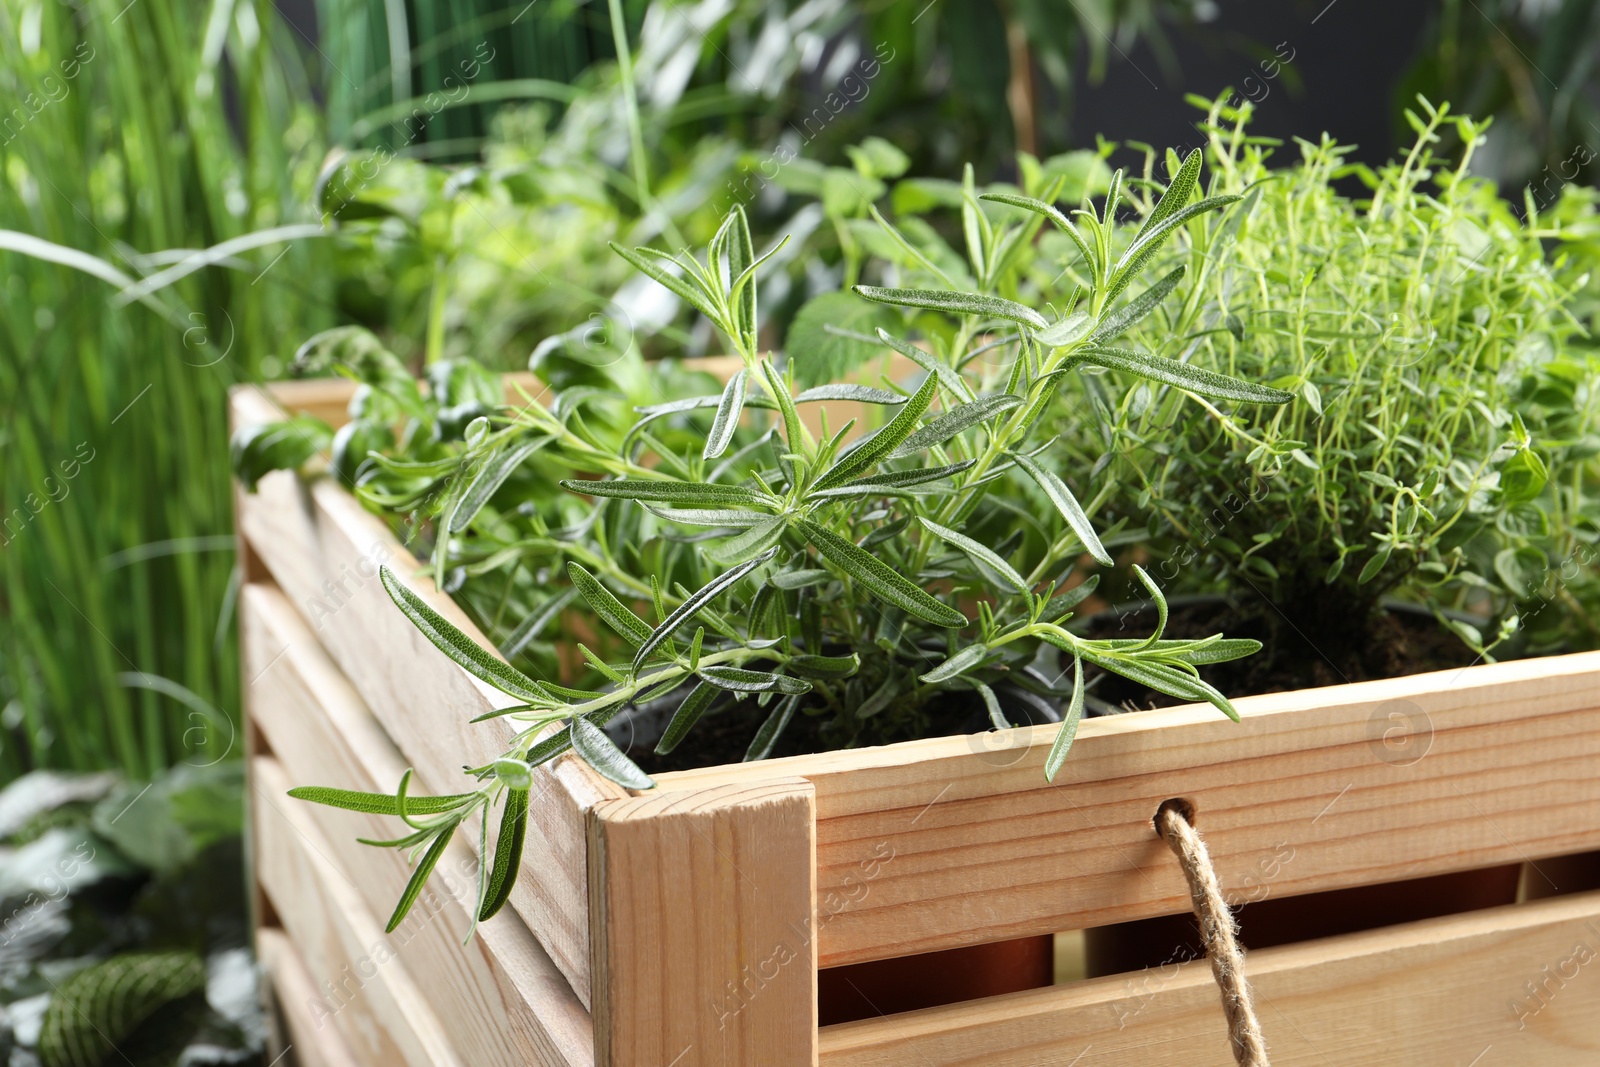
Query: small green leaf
[[1164, 679], [378, 803], [727, 421], [507, 854], [1136, 310], [489, 478], [612, 611], [757, 540], [880, 444], [1069, 724], [959, 663], [694, 705], [1067, 505], [1177, 194], [688, 290], [740, 680], [430, 860], [988, 307], [981, 553], [601, 753], [954, 421], [863, 394], [1378, 561], [671, 492], [771, 730], [825, 667], [691, 606], [1181, 375], [882, 580], [947, 375], [458, 646]]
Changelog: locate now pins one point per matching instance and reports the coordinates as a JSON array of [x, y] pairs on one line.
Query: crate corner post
[[703, 922]]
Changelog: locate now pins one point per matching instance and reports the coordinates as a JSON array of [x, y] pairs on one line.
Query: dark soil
[[1301, 655], [1307, 653]]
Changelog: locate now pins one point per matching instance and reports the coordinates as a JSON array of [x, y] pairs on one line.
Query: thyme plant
[[839, 574]]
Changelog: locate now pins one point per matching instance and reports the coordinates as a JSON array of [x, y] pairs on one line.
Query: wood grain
[[323, 551], [297, 999], [1482, 766], [501, 999], [1512, 985], [367, 995], [703, 913]]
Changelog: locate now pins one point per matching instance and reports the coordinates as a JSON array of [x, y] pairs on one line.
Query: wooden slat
[[500, 998], [323, 550], [1512, 985], [703, 912], [308, 1042], [1501, 771], [367, 994]]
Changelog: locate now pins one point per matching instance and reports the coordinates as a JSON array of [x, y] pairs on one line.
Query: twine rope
[[1218, 932]]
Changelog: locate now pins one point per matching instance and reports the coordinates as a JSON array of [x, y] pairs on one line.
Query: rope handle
[[1219, 931]]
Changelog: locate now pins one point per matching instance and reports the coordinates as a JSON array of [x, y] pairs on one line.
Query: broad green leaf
[[819, 354], [740, 680], [378, 803], [771, 730], [458, 646], [489, 478], [613, 612], [1181, 375], [988, 307], [1126, 317], [727, 421], [507, 854], [959, 663], [691, 606], [954, 421], [694, 705], [987, 556], [880, 444], [1069, 724], [1067, 505], [882, 580], [825, 667], [601, 753], [669, 491], [430, 860]]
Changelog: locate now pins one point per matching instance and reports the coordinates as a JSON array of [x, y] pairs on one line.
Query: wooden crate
[[685, 926]]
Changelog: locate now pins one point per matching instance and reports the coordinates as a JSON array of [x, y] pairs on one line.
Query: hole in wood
[[1267, 920], [1182, 805]]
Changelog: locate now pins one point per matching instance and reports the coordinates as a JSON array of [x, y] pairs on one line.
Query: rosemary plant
[[833, 574]]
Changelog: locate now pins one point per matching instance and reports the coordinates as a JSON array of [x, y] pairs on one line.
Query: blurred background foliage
[[187, 195]]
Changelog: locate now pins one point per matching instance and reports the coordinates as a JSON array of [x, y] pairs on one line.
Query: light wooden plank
[[323, 551], [1488, 765], [704, 912], [500, 997], [1511, 985], [308, 1040], [366, 993]]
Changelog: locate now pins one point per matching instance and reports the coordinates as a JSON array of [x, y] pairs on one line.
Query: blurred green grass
[[130, 135]]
